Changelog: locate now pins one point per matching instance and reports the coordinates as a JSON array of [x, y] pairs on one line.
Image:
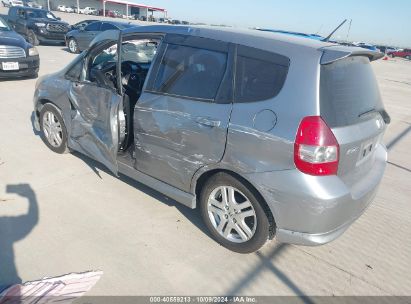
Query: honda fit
[[268, 135]]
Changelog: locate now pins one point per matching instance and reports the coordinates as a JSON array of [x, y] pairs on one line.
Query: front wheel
[[408, 57], [233, 214], [53, 130]]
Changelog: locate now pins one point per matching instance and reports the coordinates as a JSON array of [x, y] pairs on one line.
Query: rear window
[[348, 91]]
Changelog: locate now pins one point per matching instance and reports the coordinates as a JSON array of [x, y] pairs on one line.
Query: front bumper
[[45, 36], [314, 210], [28, 66]]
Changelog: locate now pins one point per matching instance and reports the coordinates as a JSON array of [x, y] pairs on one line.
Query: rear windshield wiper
[[382, 112], [367, 112]]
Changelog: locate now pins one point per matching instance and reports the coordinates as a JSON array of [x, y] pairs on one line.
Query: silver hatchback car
[[268, 134]]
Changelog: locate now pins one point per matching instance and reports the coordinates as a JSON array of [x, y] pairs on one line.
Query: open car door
[[96, 107]]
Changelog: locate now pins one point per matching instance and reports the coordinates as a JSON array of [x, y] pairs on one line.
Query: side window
[[108, 26], [191, 72], [93, 27], [259, 76]]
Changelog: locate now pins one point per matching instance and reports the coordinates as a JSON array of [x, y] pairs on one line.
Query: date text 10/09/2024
[[197, 299]]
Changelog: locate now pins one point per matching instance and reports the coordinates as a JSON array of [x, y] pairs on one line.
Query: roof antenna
[[332, 33]]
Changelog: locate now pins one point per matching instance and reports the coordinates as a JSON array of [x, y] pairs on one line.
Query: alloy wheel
[[232, 214], [52, 129], [73, 46]]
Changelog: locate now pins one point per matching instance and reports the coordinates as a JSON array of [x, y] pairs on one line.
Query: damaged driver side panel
[[94, 126]]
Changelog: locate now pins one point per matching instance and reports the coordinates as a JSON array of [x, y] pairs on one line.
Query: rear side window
[[95, 26], [260, 75], [191, 72], [348, 91]]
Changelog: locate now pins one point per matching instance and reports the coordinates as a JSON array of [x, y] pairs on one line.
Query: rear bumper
[[28, 66], [314, 210]]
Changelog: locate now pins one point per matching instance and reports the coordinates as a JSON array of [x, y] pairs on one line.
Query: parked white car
[[69, 9], [89, 11], [61, 8], [15, 3]]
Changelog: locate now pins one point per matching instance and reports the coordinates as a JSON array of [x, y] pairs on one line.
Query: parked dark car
[[212, 118], [18, 58], [79, 39], [37, 25], [82, 24]]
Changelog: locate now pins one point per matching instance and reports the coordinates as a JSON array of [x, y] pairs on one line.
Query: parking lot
[[65, 213]]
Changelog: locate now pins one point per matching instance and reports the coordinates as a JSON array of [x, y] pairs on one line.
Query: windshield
[[140, 51], [3, 25], [40, 14]]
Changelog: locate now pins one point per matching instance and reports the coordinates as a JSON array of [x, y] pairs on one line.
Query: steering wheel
[[103, 73], [130, 74]]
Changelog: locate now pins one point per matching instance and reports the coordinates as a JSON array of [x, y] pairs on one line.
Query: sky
[[373, 21]]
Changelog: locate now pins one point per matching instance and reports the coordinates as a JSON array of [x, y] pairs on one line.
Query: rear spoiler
[[334, 53]]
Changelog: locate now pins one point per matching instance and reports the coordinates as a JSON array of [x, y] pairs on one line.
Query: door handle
[[206, 121]]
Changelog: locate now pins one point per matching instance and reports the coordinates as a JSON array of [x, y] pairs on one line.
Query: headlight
[[40, 24], [33, 52]]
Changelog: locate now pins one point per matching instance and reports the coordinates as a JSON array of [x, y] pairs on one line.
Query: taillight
[[316, 150]]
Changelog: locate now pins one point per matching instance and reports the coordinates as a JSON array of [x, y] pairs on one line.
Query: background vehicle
[[164, 20], [89, 11], [368, 46], [158, 104], [11, 3], [32, 4], [17, 57], [61, 8], [78, 40], [405, 53], [37, 25], [108, 13], [82, 24]]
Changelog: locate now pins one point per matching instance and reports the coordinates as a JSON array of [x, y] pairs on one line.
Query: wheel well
[[207, 175], [40, 104]]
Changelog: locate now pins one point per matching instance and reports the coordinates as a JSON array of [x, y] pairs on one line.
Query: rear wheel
[[73, 46], [233, 214], [32, 38], [53, 130]]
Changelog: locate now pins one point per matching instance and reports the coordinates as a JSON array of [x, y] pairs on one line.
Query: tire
[[233, 217], [51, 113], [408, 57], [32, 38], [73, 46]]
